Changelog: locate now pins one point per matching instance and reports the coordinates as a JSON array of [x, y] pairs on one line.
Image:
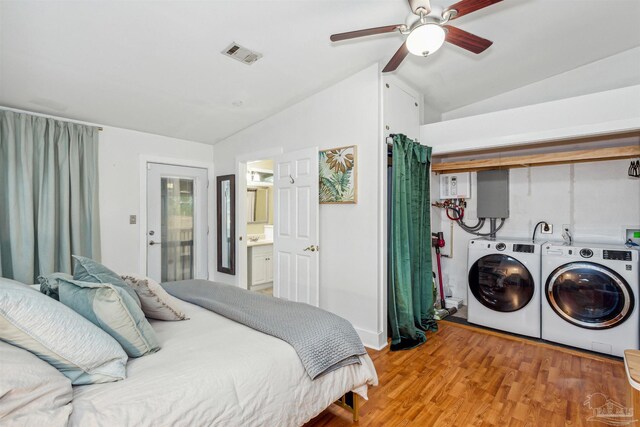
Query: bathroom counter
[[259, 243]]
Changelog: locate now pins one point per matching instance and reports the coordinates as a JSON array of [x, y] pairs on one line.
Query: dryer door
[[589, 295], [501, 283]]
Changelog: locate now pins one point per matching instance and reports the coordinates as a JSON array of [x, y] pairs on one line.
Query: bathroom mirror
[[226, 223], [258, 205]]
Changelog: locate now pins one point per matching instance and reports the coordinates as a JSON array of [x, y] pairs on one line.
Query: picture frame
[[338, 175]]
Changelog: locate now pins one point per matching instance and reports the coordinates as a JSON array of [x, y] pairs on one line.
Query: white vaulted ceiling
[[155, 66]]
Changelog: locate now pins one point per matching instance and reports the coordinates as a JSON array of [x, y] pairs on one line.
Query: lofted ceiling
[[155, 66]]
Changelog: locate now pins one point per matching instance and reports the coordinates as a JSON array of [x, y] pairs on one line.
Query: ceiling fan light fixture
[[425, 39]]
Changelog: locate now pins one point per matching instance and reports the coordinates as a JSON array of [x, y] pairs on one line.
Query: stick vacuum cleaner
[[437, 241]]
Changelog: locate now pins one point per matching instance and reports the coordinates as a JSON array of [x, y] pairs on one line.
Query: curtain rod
[[391, 135], [62, 119]]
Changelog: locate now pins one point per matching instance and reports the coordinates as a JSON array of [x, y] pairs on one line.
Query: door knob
[[151, 243], [312, 248]]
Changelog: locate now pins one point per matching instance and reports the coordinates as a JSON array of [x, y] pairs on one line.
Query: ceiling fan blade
[[466, 7], [397, 58], [362, 33], [466, 40]]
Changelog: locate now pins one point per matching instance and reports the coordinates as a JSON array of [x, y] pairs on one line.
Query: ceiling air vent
[[242, 54]]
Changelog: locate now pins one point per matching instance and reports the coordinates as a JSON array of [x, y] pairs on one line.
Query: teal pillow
[[49, 284], [88, 270], [112, 309]]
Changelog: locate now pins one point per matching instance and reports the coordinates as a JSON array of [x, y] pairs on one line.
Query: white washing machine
[[504, 285], [591, 297]]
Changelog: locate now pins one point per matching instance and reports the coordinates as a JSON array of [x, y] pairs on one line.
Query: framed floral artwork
[[339, 175]]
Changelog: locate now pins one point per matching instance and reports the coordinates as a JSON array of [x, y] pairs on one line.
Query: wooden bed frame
[[351, 402]]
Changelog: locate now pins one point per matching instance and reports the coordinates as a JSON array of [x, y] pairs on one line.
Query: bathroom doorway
[[288, 263], [259, 203]]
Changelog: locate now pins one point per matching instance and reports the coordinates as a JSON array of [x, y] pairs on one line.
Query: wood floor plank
[[464, 376]]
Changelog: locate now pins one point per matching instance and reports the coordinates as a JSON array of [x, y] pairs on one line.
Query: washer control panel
[[616, 255], [527, 249]]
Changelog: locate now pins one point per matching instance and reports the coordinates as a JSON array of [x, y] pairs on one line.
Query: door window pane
[[177, 229]]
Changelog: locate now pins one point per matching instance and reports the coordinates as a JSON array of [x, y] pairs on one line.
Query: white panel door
[[176, 222], [296, 228]]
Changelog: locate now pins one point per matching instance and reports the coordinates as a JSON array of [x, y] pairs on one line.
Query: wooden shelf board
[[575, 156], [583, 143]]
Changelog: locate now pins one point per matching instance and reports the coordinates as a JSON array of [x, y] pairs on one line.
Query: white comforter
[[213, 371]]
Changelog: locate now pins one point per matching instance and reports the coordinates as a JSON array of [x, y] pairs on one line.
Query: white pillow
[[155, 301], [56, 334], [32, 392]]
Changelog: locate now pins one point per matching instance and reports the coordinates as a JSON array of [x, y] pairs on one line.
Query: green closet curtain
[[48, 195], [410, 293]]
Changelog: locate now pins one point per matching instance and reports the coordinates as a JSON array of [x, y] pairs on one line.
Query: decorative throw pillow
[[88, 270], [32, 392], [56, 334], [156, 302], [49, 284], [112, 309]]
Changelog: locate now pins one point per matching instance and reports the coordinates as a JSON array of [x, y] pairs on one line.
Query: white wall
[[601, 113], [351, 282], [613, 72], [431, 114], [120, 154], [596, 199]]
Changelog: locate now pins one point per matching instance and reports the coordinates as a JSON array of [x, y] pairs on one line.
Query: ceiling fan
[[426, 30]]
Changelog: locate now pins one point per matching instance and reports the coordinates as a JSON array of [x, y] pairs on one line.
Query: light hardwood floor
[[464, 376]]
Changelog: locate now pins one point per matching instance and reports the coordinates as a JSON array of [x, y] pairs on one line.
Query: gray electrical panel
[[493, 194]]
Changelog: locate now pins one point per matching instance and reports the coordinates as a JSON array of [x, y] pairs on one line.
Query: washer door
[[589, 295], [501, 283]]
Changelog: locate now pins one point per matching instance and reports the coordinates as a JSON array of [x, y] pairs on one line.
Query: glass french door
[[176, 222]]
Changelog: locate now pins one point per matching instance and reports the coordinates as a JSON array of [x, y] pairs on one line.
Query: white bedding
[[213, 371]]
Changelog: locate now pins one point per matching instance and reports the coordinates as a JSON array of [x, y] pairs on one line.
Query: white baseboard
[[371, 339]]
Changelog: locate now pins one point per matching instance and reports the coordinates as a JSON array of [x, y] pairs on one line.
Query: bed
[[214, 371]]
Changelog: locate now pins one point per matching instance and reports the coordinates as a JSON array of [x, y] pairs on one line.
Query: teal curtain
[[410, 293], [48, 195]]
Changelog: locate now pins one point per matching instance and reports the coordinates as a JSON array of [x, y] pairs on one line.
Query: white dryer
[[591, 297], [504, 285]]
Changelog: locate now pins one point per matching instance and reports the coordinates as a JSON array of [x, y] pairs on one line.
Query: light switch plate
[[132, 219]]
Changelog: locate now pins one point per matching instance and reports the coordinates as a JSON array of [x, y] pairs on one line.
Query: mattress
[[213, 371]]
